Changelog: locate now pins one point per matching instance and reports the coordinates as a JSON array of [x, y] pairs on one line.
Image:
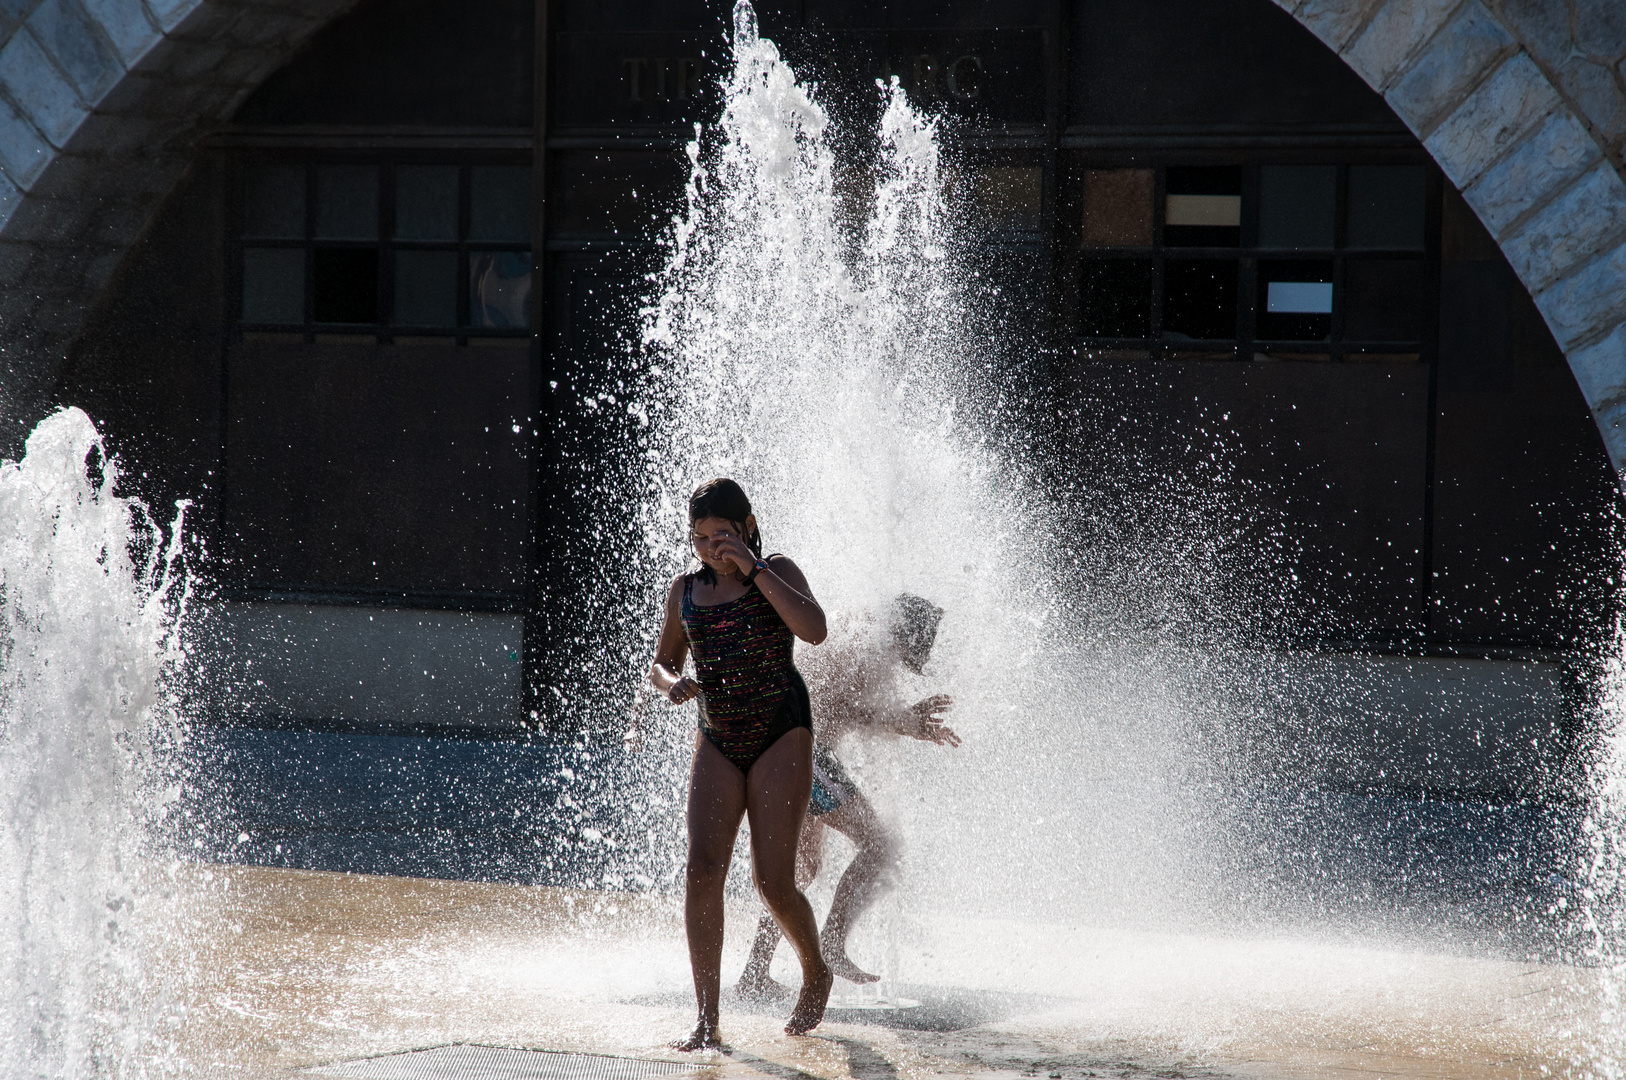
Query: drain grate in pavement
[[463, 1061]]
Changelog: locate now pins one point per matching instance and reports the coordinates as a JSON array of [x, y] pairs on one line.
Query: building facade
[[361, 327]]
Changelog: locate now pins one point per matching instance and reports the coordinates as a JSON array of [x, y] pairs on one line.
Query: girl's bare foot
[[844, 968], [810, 1002], [759, 988], [703, 1037]]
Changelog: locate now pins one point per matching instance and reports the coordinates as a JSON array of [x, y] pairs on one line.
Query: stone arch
[[1522, 102], [101, 104]]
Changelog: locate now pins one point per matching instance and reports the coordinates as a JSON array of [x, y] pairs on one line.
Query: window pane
[[500, 289], [426, 202], [1199, 299], [1117, 207], [1115, 297], [426, 288], [1383, 300], [1295, 300], [347, 202], [1298, 205], [1204, 206], [346, 285], [1007, 196], [500, 203], [1386, 206], [274, 202], [274, 285]]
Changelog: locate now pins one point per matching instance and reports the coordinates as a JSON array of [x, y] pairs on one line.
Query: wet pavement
[[295, 970]]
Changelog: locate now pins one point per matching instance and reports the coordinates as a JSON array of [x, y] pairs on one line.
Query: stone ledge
[[129, 26], [78, 46], [1396, 32], [1542, 27], [23, 153], [1335, 22], [1455, 63], [39, 90], [1600, 368]]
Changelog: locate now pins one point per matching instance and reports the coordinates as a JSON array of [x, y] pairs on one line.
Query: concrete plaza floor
[[298, 969]]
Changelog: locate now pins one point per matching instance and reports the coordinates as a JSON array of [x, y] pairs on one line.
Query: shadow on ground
[[940, 1009]]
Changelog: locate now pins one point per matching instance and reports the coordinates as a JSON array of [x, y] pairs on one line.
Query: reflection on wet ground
[[515, 916], [298, 969]]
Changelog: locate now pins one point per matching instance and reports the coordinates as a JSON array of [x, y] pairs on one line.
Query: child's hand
[[685, 689], [729, 547], [931, 727]]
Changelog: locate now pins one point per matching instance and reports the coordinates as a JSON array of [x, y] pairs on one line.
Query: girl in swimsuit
[[739, 615]]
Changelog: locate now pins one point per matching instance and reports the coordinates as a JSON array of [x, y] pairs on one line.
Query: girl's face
[[708, 533]]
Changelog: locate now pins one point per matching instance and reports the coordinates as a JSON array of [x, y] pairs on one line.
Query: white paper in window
[[1299, 298]]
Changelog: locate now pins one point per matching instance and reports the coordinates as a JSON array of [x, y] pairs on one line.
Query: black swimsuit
[[750, 692]]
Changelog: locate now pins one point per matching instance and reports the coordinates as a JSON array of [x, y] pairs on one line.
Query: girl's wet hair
[[723, 498], [914, 628]]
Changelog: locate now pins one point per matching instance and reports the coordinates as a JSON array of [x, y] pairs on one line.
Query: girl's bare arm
[[787, 590], [666, 672], [785, 587]]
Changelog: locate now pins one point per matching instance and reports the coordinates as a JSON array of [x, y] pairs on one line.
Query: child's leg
[[716, 804], [755, 981], [776, 793], [861, 884]]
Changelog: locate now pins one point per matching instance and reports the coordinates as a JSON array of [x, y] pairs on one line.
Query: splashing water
[[91, 600], [815, 382], [820, 348], [834, 375], [1601, 903], [817, 347]]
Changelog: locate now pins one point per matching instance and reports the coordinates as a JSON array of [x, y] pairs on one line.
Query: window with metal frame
[[1255, 262], [383, 250]]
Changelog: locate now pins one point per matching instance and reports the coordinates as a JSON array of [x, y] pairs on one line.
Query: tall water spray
[[818, 346], [91, 597], [820, 381]]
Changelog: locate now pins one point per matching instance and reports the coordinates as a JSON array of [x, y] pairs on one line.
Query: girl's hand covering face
[[721, 547]]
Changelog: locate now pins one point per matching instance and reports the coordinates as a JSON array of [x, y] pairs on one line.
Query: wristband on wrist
[[759, 568]]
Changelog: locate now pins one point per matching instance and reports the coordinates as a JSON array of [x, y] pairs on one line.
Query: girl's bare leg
[[716, 804], [776, 793], [755, 983], [860, 884]]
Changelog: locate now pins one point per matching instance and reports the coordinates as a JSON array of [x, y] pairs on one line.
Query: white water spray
[[1601, 902], [831, 368], [91, 598]]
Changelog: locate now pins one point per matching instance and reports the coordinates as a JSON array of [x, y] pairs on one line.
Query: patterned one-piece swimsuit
[[750, 691]]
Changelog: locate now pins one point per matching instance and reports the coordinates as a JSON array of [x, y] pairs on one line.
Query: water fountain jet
[[92, 594]]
